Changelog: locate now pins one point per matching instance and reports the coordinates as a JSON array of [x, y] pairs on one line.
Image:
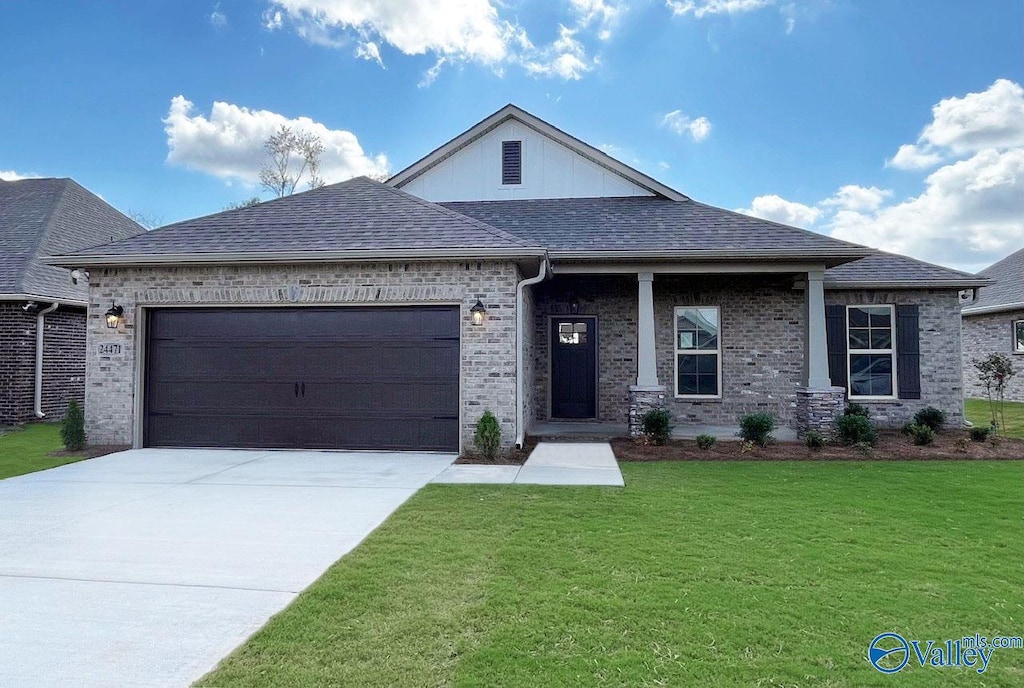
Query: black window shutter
[[908, 352], [835, 333], [511, 162]]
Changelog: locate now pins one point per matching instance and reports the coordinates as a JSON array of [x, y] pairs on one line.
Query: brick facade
[[488, 351], [941, 375], [63, 361], [991, 333]]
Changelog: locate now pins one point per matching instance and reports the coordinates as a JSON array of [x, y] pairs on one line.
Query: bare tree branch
[[286, 149]]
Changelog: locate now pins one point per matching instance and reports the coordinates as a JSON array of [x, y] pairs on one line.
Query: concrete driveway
[[145, 568]]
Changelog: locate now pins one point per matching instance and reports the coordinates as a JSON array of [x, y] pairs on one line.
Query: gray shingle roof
[[580, 226], [895, 270], [39, 217], [359, 215], [1008, 289]]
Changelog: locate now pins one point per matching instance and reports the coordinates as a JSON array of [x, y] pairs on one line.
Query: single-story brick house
[[994, 324], [516, 269], [42, 309]]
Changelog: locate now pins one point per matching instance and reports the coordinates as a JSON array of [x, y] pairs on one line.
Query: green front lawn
[[979, 413], [27, 449], [697, 573]]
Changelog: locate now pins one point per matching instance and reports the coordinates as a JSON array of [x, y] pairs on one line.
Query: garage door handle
[[303, 389], [296, 389]]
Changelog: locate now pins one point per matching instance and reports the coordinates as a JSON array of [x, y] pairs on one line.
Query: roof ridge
[[43, 232], [500, 233]]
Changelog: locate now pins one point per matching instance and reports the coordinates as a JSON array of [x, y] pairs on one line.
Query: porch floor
[[573, 430]]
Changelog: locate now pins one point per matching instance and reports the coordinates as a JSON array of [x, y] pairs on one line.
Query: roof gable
[[1008, 290], [556, 165]]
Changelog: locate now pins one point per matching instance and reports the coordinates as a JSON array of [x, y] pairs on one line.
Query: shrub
[[961, 445], [814, 439], [855, 430], [746, 446], [856, 410], [656, 425], [72, 428], [980, 433], [757, 428], [706, 441], [921, 434], [931, 417], [907, 428], [488, 436], [865, 448]]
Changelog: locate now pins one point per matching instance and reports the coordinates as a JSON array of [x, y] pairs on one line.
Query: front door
[[574, 367]]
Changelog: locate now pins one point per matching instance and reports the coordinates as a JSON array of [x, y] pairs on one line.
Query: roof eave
[[998, 308], [906, 284], [41, 297], [264, 258], [838, 256]]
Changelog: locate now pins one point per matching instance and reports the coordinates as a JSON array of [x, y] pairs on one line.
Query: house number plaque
[[110, 349]]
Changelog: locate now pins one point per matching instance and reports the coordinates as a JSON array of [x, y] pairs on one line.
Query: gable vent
[[511, 162]]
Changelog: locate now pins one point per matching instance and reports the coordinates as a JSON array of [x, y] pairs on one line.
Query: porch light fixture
[[114, 315], [478, 312], [574, 306]]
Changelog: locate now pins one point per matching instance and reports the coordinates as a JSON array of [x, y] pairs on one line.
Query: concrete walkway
[[146, 567], [550, 463]]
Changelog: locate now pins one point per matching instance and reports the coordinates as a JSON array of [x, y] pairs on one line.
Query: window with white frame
[[1018, 336], [871, 346], [698, 352]]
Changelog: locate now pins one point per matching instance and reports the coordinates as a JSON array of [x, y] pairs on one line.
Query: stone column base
[[817, 409], [641, 400]]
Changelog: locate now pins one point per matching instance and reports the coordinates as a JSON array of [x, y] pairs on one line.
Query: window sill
[[680, 397], [868, 400]]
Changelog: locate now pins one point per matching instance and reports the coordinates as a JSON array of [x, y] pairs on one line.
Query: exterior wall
[[941, 364], [550, 170], [63, 361], [488, 351], [991, 333]]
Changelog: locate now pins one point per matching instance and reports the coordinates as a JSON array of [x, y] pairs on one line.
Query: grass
[[27, 450], [978, 412], [699, 573]]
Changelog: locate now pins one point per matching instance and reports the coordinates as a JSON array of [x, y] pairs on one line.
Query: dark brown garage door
[[323, 378]]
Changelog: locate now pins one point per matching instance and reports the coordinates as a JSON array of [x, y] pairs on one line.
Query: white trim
[[597, 366], [1015, 343], [676, 351], [39, 297], [891, 351], [982, 310], [687, 268]]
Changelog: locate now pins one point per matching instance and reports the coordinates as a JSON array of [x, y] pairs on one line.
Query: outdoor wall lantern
[[478, 312], [574, 305], [114, 315]]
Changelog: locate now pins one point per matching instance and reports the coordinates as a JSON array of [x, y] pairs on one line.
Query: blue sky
[[795, 111]]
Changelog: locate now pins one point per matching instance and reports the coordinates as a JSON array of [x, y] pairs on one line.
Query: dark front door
[[318, 378], [574, 367]]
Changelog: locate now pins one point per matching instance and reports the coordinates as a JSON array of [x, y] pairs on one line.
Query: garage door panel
[[361, 378]]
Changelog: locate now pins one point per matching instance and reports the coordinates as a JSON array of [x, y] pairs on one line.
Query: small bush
[[961, 444], [757, 428], [656, 425], [980, 433], [746, 446], [931, 417], [706, 441], [814, 439], [856, 410], [488, 436], [908, 427], [865, 448], [856, 429], [72, 428], [921, 434]]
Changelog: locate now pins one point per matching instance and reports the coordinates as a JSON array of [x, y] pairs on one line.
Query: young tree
[[293, 155], [248, 203], [994, 372]]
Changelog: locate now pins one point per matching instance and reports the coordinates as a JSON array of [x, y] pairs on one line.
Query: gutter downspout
[[40, 317], [542, 274]]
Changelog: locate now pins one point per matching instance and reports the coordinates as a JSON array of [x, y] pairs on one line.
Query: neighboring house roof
[[510, 111], [652, 227], [890, 270], [359, 219], [40, 217], [1007, 293]]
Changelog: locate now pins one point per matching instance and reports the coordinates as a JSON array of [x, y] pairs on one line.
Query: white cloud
[[565, 58], [698, 129], [858, 198], [229, 142], [778, 209], [12, 176], [370, 51], [600, 12], [912, 157], [218, 18], [703, 8]]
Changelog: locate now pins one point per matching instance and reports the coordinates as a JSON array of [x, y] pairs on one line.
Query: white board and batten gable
[[552, 164]]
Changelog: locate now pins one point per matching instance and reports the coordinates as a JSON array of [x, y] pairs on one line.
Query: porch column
[[646, 353], [817, 344]]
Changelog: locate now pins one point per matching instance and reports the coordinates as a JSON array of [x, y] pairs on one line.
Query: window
[[511, 162], [1018, 336], [870, 331], [698, 352], [572, 333]]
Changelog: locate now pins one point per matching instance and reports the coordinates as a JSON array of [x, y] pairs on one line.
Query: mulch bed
[[92, 451], [510, 457], [892, 446]]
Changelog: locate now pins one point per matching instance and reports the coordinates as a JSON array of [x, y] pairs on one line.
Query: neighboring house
[[42, 309], [515, 269], [994, 324]]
